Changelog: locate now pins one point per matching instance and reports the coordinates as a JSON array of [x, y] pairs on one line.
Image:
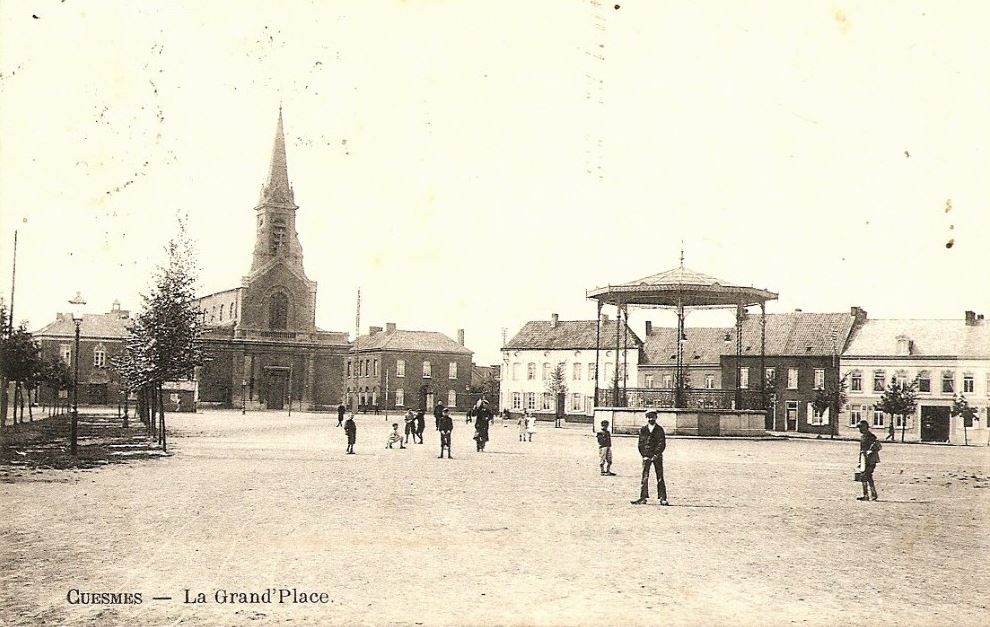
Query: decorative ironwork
[[667, 398]]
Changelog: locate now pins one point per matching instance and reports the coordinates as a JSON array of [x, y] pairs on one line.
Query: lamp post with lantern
[[77, 316]]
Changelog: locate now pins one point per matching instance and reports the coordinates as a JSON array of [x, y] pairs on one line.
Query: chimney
[[649, 328], [389, 327], [374, 330], [859, 314], [970, 318], [797, 311], [460, 336], [554, 319]]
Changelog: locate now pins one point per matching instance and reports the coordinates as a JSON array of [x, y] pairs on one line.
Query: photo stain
[[950, 243], [948, 205], [842, 21]]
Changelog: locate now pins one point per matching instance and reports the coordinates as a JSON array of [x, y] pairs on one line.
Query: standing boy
[[446, 425], [605, 450], [869, 450], [652, 442], [350, 430]]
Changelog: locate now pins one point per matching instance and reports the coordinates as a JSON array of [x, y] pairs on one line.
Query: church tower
[[275, 220], [277, 294]]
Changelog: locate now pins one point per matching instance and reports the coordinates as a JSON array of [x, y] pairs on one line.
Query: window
[[66, 350], [99, 357], [948, 382], [668, 381], [709, 382], [376, 367], [577, 402], [900, 378], [531, 400], [816, 417], [771, 377], [547, 401], [877, 418], [400, 368], [233, 312], [792, 378], [530, 371], [515, 371], [924, 381], [576, 372], [452, 370], [278, 235], [609, 373], [546, 371], [400, 397], [278, 311], [221, 313], [856, 381], [903, 346], [591, 371], [819, 378], [348, 369], [427, 370], [516, 400], [452, 398], [855, 415], [969, 385], [648, 380], [744, 377], [374, 397], [901, 422], [879, 381]]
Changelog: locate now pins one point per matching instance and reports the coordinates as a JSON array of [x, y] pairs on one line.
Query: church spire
[[277, 189]]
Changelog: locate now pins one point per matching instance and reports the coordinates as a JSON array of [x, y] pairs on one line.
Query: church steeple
[[277, 189]]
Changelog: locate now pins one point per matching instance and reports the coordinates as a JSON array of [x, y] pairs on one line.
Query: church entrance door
[[276, 388]]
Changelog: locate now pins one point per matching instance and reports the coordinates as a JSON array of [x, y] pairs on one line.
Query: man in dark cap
[[869, 451], [652, 442]]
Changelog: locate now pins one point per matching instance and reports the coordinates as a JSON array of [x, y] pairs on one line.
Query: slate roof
[[787, 334], [568, 334], [944, 338], [413, 341], [93, 325]]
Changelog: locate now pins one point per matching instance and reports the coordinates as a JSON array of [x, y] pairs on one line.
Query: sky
[[477, 165]]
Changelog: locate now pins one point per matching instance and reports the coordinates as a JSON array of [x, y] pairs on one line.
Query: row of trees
[[22, 363]]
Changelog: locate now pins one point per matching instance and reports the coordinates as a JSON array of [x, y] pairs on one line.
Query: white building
[[944, 357], [529, 359]]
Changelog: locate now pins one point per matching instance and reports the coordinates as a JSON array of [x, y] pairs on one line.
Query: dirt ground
[[759, 532]]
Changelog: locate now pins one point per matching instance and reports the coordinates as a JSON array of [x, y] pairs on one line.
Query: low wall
[[706, 422]]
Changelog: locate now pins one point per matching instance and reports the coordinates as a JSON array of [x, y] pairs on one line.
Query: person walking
[[652, 442], [420, 425], [869, 457], [605, 450], [410, 425], [522, 426], [530, 425], [481, 425], [340, 414], [350, 430], [446, 426], [438, 413]]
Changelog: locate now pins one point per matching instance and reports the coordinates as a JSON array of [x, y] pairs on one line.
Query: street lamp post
[[243, 396], [77, 304]]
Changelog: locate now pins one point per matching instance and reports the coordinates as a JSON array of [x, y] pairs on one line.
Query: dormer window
[[903, 345]]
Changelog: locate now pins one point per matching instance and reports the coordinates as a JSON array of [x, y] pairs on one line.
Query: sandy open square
[[759, 532]]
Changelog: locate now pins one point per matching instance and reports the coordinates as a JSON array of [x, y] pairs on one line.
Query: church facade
[[263, 347]]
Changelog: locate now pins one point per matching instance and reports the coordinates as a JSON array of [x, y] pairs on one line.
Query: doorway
[[934, 423], [276, 388], [791, 416]]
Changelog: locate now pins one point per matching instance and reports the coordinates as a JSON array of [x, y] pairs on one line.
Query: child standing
[[530, 426], [605, 450], [350, 430], [445, 425], [522, 426], [394, 437]]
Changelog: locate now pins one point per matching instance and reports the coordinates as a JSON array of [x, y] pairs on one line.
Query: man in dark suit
[[340, 414], [652, 442]]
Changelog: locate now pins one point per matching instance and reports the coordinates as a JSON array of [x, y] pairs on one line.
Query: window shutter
[[810, 414], [825, 416]]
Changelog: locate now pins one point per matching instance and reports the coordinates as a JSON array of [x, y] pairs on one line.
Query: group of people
[[527, 426]]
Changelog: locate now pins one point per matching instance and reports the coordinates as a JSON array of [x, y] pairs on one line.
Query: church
[[263, 347]]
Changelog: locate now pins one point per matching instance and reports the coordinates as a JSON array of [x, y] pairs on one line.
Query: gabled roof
[[568, 334], [704, 346], [413, 341], [111, 326], [944, 338]]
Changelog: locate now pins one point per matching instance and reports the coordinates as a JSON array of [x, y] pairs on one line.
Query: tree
[[557, 383], [164, 343], [961, 407], [899, 399], [771, 396], [57, 375], [20, 359], [832, 397]]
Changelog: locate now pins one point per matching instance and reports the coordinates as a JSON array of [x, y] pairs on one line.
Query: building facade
[[703, 349], [101, 339], [395, 369], [943, 358], [263, 348], [529, 359]]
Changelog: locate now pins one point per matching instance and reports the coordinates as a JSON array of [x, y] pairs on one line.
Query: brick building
[[101, 338], [393, 368], [703, 349], [264, 348]]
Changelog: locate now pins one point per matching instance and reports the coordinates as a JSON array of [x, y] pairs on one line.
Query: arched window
[[233, 313], [221, 313], [278, 313]]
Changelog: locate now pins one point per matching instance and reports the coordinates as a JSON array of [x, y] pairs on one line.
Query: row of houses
[[804, 352]]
